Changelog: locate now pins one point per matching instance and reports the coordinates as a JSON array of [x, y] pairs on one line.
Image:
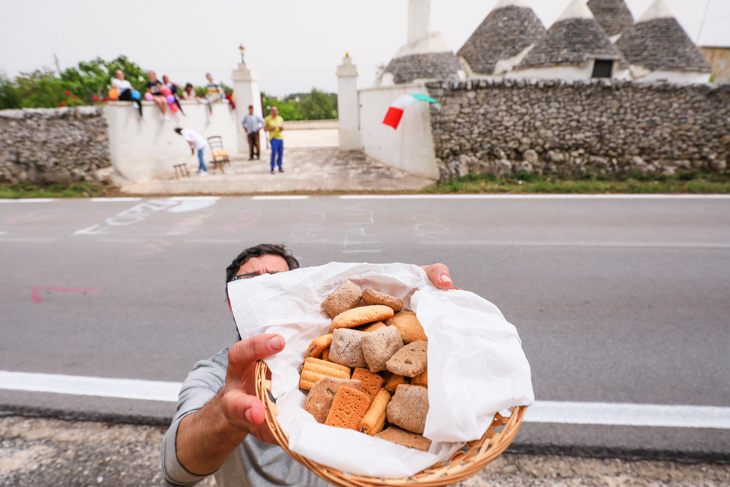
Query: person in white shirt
[[197, 143], [124, 90]]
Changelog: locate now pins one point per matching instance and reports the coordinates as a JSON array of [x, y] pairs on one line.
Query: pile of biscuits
[[370, 372]]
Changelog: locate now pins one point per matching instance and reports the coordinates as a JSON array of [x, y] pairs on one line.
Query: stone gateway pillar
[[348, 105], [246, 91]]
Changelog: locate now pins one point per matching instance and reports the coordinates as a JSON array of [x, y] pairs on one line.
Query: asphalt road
[[617, 300]]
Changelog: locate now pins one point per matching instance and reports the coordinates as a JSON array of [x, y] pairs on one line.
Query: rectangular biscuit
[[371, 382], [405, 438], [374, 419], [320, 397], [348, 408], [314, 369]]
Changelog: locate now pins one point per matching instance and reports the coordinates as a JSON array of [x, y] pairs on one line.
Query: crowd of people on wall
[[166, 94]]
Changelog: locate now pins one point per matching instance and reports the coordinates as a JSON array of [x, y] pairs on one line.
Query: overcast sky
[[294, 45]]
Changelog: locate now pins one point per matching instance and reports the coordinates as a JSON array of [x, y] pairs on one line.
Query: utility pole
[[702, 24]]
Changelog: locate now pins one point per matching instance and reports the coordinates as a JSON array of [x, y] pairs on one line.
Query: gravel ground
[[50, 452]]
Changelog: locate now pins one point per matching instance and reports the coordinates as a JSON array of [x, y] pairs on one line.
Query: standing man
[[252, 124], [197, 142], [274, 124]]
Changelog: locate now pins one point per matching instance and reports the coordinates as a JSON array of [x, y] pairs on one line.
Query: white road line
[[531, 196], [28, 200], [281, 197], [564, 412], [194, 198], [647, 245], [121, 198]]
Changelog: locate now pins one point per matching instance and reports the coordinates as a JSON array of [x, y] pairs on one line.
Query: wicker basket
[[463, 464]]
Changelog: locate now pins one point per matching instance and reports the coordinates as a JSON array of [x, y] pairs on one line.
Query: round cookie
[[360, 316], [408, 326], [371, 296]]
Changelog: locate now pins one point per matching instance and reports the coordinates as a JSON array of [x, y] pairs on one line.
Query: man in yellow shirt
[[274, 124]]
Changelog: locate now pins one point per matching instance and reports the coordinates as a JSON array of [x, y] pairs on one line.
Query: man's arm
[[206, 438]]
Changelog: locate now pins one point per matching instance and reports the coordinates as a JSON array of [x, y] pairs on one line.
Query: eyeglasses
[[245, 276]]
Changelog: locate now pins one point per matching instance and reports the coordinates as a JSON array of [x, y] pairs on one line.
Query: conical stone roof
[[426, 65], [613, 16], [658, 43], [572, 40], [503, 34]]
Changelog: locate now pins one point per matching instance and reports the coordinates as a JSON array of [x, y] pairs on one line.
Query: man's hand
[[206, 438], [239, 403], [439, 275]]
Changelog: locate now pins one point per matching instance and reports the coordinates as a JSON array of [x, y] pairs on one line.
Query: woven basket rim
[[466, 462]]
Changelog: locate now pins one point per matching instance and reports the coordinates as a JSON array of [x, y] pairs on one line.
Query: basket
[[466, 462]]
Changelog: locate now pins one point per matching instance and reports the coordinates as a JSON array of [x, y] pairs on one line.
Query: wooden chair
[[220, 156], [181, 170]]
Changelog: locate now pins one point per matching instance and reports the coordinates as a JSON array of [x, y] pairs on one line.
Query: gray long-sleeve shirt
[[252, 464]]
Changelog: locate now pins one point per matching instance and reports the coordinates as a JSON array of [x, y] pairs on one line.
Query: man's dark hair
[[258, 251], [178, 130]]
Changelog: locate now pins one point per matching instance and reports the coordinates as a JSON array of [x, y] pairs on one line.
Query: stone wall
[[574, 128], [60, 145]]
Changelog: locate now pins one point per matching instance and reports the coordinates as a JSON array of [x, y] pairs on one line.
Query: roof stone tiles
[[613, 16], [430, 65]]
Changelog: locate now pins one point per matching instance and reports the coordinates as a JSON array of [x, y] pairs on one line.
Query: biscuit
[[392, 380], [319, 345], [421, 379], [346, 348], [360, 316], [371, 296], [404, 438], [408, 408], [379, 346], [319, 399], [373, 327], [371, 383], [348, 408], [314, 369], [374, 419], [408, 326], [410, 360], [345, 297], [326, 355]]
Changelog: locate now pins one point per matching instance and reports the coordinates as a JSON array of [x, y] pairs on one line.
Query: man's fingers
[[242, 409], [439, 275], [255, 348]]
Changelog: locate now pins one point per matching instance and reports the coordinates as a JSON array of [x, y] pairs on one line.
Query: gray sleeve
[[201, 384]]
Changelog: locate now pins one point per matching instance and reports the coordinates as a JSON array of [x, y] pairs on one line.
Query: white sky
[[294, 45]]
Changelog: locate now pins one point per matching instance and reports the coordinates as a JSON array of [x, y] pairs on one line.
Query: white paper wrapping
[[476, 363]]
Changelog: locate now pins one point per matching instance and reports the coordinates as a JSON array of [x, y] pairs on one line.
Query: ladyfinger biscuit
[[346, 348], [314, 369], [379, 346], [421, 379], [410, 360], [319, 345], [373, 327], [404, 438], [326, 355], [408, 408], [374, 419], [393, 380], [371, 383], [360, 316], [319, 399], [345, 297], [371, 296], [408, 326], [348, 408]]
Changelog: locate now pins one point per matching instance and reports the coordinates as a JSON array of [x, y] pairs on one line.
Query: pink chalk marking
[[36, 295]]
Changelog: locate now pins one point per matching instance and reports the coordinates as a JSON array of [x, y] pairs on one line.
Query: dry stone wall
[[61, 145], [497, 127]]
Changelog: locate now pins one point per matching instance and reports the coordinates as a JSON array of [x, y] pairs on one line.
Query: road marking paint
[[27, 200], [648, 245], [121, 198], [563, 412], [29, 240], [282, 197], [530, 196], [35, 292], [195, 198], [623, 414]]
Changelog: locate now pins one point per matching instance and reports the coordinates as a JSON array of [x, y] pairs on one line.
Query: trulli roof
[[572, 40], [506, 31], [427, 65], [658, 43], [612, 15]]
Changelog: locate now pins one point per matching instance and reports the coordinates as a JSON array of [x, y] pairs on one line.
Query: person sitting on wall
[[214, 94], [154, 87], [173, 90], [125, 89], [188, 93]]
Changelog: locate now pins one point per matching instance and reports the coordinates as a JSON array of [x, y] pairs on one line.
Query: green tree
[[9, 94], [319, 105]]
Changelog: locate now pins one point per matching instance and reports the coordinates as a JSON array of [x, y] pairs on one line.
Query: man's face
[[250, 110], [266, 264], [165, 79], [275, 111], [151, 76], [119, 74], [210, 78]]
